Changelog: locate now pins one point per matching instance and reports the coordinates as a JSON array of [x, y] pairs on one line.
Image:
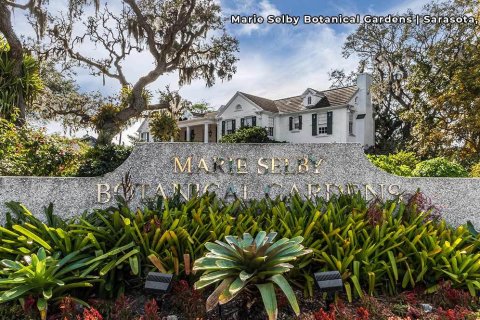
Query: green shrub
[[401, 163], [247, 135], [41, 277], [31, 152], [103, 159], [439, 167], [244, 262], [378, 247]]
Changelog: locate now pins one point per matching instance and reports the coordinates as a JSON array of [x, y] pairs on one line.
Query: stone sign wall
[[243, 170]]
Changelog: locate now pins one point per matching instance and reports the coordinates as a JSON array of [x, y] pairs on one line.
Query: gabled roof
[[265, 104], [312, 91], [332, 97]]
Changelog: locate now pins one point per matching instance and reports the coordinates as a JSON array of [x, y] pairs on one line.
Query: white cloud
[[263, 9]]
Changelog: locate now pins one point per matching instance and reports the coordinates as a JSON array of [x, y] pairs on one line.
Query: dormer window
[[238, 107], [309, 100]]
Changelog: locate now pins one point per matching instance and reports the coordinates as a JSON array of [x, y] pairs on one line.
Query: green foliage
[[401, 163], [30, 84], [102, 159], [378, 247], [247, 135], [424, 90], [110, 256], [27, 151], [439, 167], [240, 263], [475, 170], [199, 107], [408, 165], [163, 126], [42, 277]]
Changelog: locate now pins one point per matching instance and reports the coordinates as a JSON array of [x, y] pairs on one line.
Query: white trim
[[256, 106], [195, 122]]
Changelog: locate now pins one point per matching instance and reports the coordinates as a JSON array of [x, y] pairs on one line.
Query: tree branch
[[19, 6]]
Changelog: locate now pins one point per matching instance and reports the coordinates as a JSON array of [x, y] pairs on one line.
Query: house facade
[[336, 115]]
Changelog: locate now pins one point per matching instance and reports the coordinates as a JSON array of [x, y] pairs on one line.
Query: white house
[[334, 115]]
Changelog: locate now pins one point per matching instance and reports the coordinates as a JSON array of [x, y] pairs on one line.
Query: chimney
[[364, 81]]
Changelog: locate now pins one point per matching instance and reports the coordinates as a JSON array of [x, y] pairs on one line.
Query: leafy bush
[[378, 247], [42, 277], [401, 163], [240, 263], [439, 167], [27, 151], [163, 126], [475, 170], [247, 135], [102, 159]]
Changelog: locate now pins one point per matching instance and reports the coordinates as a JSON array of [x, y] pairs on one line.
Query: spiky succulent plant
[[250, 261]]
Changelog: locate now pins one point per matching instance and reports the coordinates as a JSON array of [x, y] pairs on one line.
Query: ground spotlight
[[329, 282], [158, 283]]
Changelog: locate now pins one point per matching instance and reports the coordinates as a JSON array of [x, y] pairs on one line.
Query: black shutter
[[290, 123], [242, 122], [300, 122], [185, 135], [329, 122], [314, 124], [254, 121], [223, 128], [233, 126]]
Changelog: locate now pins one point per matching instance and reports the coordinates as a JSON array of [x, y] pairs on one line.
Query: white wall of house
[[144, 131], [231, 112], [305, 134], [358, 110]]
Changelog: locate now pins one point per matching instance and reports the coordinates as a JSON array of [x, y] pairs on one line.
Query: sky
[[276, 61]]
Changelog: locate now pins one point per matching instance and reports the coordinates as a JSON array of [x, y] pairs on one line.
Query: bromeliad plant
[[241, 263], [42, 277]]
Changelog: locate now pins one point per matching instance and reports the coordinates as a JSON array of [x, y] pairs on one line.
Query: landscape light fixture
[[158, 283], [329, 282]]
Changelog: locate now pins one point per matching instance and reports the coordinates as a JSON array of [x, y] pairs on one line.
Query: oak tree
[[187, 37], [425, 82]]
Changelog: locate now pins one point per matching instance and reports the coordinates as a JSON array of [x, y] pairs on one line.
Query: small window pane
[[322, 123], [296, 123]]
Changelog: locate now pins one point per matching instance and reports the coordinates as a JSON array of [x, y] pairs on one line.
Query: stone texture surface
[[331, 167]]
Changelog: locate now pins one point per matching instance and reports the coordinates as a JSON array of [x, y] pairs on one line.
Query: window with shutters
[[229, 126], [322, 123], [270, 126], [248, 121], [144, 137], [350, 123], [296, 123]]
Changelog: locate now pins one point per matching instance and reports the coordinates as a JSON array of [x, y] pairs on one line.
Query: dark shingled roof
[[265, 104], [333, 97]]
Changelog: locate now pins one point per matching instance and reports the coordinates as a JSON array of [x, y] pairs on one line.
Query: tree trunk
[[16, 56], [107, 133]]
